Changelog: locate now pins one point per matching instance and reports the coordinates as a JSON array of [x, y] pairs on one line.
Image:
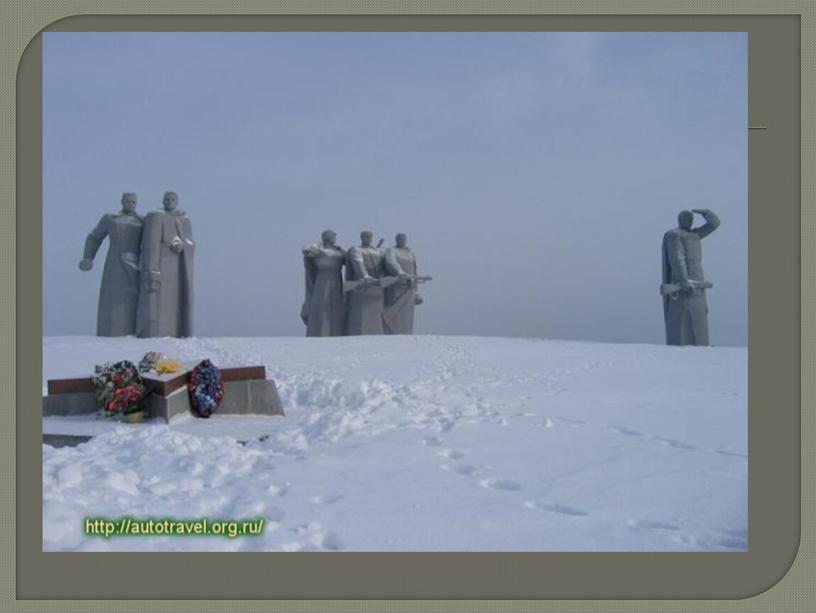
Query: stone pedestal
[[247, 391]]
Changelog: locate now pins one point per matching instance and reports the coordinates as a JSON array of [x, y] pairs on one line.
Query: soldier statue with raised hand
[[168, 252], [323, 309], [119, 291], [684, 284], [401, 296], [365, 297]]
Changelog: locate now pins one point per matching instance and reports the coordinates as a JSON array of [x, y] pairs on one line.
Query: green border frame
[[774, 359]]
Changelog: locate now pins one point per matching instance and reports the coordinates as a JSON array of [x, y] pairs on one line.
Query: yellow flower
[[167, 366]]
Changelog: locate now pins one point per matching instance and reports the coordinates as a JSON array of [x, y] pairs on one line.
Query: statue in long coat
[[119, 290], [365, 303], [167, 258], [685, 309], [401, 297], [323, 309]]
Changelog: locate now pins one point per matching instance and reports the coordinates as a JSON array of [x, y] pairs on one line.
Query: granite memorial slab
[[247, 391]]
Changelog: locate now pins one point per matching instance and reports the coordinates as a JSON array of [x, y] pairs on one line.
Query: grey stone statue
[[119, 291], [684, 284], [323, 309], [364, 268], [401, 297], [168, 254]]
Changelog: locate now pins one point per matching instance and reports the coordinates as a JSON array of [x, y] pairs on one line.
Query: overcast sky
[[534, 173]]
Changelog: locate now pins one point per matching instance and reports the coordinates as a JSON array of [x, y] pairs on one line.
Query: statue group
[[376, 295], [147, 281]]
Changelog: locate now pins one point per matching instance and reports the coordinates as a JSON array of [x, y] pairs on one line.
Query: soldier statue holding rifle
[[684, 284], [401, 296], [364, 268]]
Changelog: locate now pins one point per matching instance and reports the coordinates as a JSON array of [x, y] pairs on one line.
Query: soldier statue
[[323, 309], [401, 297], [684, 284], [119, 291], [364, 265], [168, 252]]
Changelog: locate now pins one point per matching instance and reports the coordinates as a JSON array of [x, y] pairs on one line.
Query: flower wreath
[[206, 388], [119, 388]]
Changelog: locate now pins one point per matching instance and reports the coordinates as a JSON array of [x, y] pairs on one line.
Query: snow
[[422, 443], [239, 427]]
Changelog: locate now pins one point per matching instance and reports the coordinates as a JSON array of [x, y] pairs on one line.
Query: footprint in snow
[[725, 539], [732, 543], [559, 509], [574, 423], [624, 431], [670, 442], [451, 454], [667, 442], [731, 453], [432, 441], [331, 499], [465, 470], [646, 524], [445, 425], [730, 539], [500, 484]]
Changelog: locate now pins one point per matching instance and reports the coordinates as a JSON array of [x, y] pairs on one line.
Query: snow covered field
[[423, 443]]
